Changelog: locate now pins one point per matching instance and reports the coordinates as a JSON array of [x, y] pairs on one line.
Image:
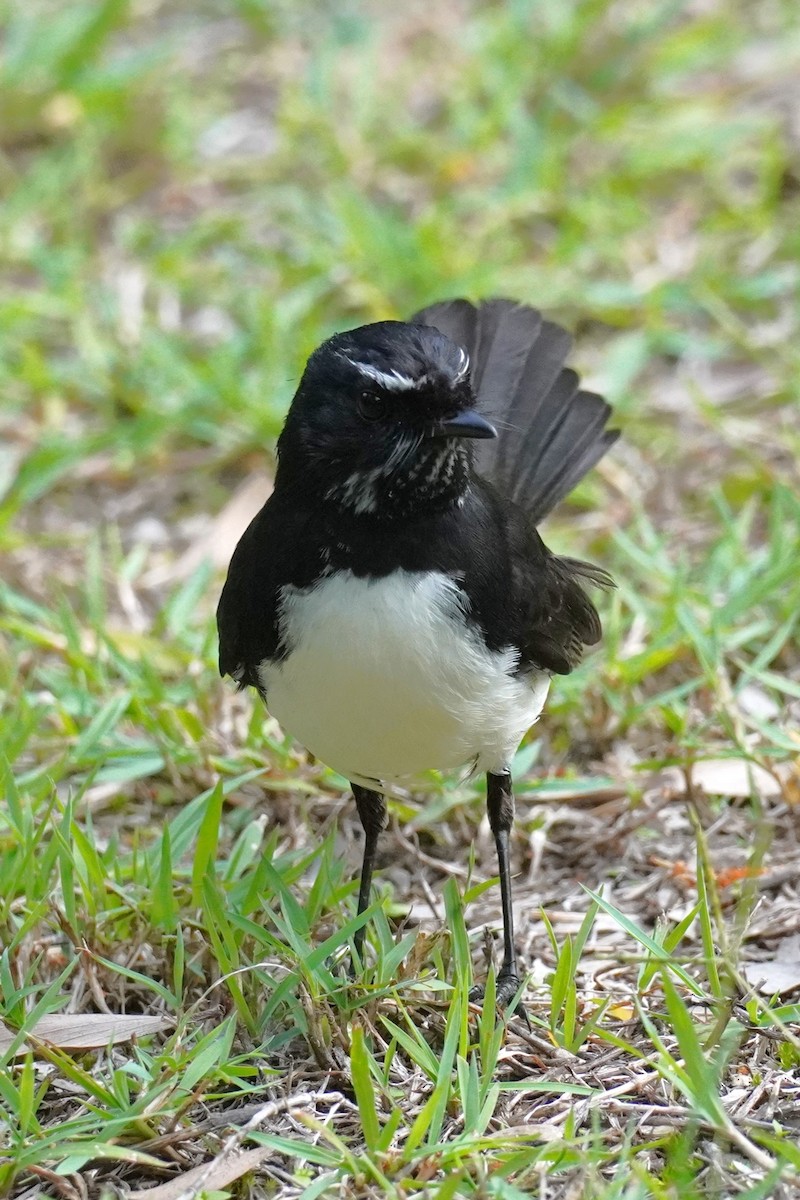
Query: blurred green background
[[194, 195]]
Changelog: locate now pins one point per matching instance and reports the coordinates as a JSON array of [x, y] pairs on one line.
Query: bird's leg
[[500, 808], [372, 812]]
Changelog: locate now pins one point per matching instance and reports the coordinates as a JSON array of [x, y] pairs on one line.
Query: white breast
[[385, 679]]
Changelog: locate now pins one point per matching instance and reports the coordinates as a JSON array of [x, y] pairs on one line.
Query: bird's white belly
[[384, 679]]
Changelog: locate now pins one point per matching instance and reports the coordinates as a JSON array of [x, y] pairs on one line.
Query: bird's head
[[382, 421]]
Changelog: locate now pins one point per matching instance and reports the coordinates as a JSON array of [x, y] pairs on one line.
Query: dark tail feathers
[[550, 434]]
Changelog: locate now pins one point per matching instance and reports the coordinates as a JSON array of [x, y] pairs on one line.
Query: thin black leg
[[372, 812], [500, 808]]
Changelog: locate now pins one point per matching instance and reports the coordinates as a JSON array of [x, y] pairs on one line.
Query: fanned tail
[[550, 433]]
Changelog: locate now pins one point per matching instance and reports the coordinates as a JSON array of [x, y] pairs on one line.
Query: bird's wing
[[560, 620], [521, 593], [275, 550]]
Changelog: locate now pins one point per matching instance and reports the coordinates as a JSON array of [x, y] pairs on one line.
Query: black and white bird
[[393, 603]]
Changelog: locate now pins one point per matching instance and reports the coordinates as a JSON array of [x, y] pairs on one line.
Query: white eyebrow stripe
[[393, 381]]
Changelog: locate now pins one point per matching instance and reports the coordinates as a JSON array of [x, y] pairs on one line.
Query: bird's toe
[[507, 987]]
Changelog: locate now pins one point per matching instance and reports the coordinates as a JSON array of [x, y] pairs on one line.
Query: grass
[[192, 200]]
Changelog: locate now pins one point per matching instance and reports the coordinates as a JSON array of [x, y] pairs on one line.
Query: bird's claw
[[505, 991]]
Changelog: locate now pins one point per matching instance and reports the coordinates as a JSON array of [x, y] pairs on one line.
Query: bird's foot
[[506, 989]]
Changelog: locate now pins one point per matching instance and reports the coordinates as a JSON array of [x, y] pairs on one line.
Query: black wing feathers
[[563, 620], [276, 549]]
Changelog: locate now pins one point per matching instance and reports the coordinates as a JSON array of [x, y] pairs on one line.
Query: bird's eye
[[371, 406]]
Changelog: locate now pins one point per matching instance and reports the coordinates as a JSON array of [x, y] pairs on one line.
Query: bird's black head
[[381, 422]]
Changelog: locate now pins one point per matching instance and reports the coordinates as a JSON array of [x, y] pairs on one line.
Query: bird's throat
[[434, 477]]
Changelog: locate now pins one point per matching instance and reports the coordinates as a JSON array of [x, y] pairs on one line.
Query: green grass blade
[[362, 1086]]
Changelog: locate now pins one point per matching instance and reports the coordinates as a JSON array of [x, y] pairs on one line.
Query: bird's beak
[[467, 424]]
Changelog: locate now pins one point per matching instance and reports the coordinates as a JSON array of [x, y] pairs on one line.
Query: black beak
[[467, 424]]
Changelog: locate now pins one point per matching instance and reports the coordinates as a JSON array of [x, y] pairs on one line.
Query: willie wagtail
[[393, 603]]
